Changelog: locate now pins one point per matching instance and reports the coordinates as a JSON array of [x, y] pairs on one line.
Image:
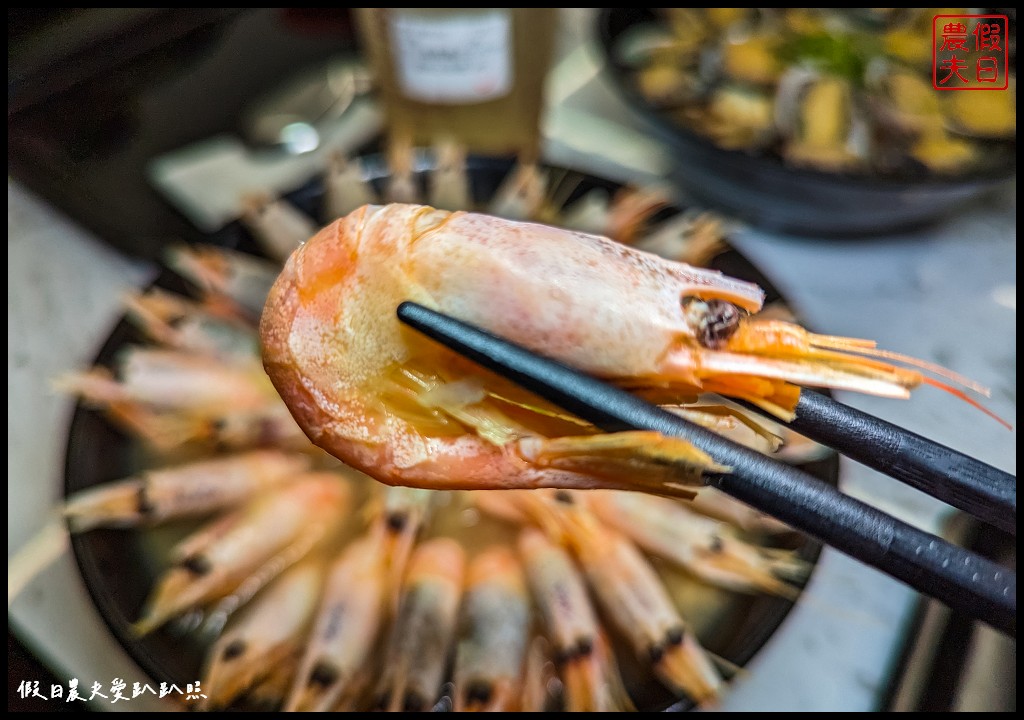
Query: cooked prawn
[[170, 398], [267, 633], [177, 381], [631, 593], [424, 399], [399, 517], [183, 490], [522, 194], [716, 504], [345, 186], [539, 679], [449, 182], [417, 652], [225, 278], [625, 584], [278, 226], [182, 324], [348, 620], [494, 627], [582, 653], [409, 412], [243, 551], [709, 549]]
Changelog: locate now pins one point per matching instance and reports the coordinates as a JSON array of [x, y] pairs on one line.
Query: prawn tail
[[742, 570], [687, 667]]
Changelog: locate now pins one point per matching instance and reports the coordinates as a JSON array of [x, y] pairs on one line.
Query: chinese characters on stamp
[[969, 52]]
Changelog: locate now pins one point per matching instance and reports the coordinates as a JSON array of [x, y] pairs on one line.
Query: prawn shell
[[420, 636], [541, 286], [493, 630], [347, 622], [268, 631], [183, 490], [329, 329]]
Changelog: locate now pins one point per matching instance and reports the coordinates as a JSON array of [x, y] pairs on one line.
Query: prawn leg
[[633, 459], [732, 424], [625, 460]]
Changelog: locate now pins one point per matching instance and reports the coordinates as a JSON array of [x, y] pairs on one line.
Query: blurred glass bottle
[[473, 75]]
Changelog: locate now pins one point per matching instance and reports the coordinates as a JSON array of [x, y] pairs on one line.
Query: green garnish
[[846, 56]]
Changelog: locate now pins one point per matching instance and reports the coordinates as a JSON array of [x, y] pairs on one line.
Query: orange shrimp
[[624, 583], [238, 554], [266, 635], [182, 490], [409, 412], [417, 650], [347, 622], [494, 627], [582, 651]]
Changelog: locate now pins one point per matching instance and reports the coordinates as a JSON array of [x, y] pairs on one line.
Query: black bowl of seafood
[[815, 121], [220, 545]]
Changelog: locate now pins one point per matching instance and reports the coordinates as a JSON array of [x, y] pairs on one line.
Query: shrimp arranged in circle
[[334, 593]]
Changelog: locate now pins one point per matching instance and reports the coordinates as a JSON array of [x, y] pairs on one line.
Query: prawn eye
[[713, 321]]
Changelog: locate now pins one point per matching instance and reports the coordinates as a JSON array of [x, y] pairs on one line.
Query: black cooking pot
[[763, 190]]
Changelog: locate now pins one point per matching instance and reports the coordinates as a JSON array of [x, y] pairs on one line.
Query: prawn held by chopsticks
[[408, 411]]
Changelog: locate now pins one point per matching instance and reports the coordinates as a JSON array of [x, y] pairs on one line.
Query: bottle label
[[453, 59]]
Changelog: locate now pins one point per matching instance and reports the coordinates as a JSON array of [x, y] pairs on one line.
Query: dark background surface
[[94, 94], [23, 666]]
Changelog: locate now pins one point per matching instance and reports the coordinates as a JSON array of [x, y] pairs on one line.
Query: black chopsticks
[[980, 490], [931, 565]]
